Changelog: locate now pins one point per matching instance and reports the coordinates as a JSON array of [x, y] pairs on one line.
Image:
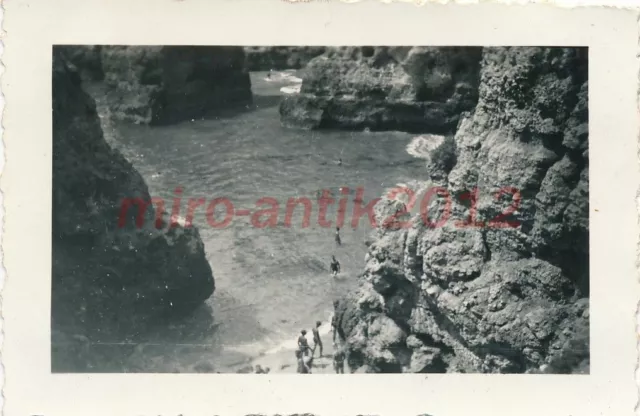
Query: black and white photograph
[[320, 209]]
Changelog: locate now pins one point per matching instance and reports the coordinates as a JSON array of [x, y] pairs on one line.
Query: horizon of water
[[270, 282]]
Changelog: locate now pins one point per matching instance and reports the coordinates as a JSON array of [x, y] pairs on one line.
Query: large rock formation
[[265, 58], [87, 60], [509, 295], [167, 84], [416, 89], [111, 279]]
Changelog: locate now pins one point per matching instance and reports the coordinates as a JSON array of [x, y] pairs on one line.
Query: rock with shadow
[[118, 269], [510, 295]]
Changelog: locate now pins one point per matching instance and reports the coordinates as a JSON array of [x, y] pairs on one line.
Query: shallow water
[[273, 281]]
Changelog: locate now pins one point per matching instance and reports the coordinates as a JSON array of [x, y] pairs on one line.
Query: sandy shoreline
[[283, 360]]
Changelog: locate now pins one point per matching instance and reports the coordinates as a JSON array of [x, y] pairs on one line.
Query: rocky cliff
[[416, 89], [167, 84], [85, 59], [510, 293], [111, 279], [265, 58]]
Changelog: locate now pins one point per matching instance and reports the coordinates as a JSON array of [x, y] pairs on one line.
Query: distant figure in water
[[317, 342], [338, 359], [335, 266], [340, 162], [303, 345], [338, 241]]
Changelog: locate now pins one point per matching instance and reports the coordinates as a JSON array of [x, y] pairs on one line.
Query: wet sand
[[284, 361]]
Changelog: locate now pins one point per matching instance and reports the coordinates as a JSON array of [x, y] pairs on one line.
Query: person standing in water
[[307, 362], [335, 266], [303, 345], [338, 240], [334, 322], [302, 368], [338, 359], [317, 342]]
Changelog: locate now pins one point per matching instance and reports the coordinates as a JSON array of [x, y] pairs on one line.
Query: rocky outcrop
[[168, 84], [416, 89], [85, 59], [509, 293], [265, 58], [111, 278]]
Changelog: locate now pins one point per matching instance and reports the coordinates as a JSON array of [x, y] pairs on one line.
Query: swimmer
[[340, 162], [335, 266]]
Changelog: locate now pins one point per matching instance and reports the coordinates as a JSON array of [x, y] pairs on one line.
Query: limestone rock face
[[111, 278], [265, 58], [416, 89], [87, 60], [510, 294], [168, 84]]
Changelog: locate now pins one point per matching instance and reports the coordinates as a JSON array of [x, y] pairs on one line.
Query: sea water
[[270, 282]]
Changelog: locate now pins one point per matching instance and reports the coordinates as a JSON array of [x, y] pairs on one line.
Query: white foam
[[421, 146], [291, 89], [177, 219], [291, 78], [266, 347], [292, 344], [282, 76]]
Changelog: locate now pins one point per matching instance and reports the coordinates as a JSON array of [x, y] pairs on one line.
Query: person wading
[[338, 240], [335, 266], [334, 322], [338, 359], [317, 342], [303, 344]]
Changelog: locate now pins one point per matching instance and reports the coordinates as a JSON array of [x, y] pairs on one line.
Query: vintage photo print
[[420, 216], [402, 209]]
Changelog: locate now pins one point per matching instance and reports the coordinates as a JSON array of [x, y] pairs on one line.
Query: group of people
[[335, 265], [306, 354]]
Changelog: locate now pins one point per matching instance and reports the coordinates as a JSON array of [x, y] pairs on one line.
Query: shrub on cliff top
[[444, 156]]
